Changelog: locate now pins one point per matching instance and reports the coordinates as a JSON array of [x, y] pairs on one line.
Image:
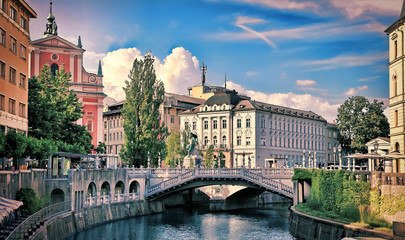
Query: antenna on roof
[[225, 80], [203, 69]]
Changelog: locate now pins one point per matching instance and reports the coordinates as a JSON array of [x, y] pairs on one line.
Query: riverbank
[[70, 223], [304, 226]]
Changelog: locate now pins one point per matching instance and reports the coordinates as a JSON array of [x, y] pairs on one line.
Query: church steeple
[[51, 27], [403, 10], [100, 70], [79, 42]]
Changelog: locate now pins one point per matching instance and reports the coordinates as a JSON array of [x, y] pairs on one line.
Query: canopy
[[7, 206]]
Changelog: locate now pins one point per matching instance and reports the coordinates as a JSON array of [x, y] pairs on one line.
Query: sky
[[310, 55]]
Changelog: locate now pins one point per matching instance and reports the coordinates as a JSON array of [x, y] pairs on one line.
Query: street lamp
[[376, 145]]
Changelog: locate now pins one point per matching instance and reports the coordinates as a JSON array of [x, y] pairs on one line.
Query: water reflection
[[197, 223]]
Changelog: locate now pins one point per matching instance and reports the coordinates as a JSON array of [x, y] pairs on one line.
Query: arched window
[[54, 68], [206, 141], [224, 140], [397, 147], [215, 140]]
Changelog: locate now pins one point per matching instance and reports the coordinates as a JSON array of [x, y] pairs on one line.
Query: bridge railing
[[253, 176], [36, 220], [92, 201]]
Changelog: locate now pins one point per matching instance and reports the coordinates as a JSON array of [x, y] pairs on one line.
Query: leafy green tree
[[144, 132], [209, 156], [173, 157], [221, 160], [15, 145], [359, 121], [101, 148], [40, 148], [31, 202], [53, 110]]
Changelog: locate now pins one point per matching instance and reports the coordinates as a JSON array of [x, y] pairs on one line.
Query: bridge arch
[[105, 188], [119, 187], [57, 196], [134, 187], [92, 190]]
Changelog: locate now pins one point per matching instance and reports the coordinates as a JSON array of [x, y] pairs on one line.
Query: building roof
[[242, 103], [401, 20], [185, 98], [28, 7], [223, 97]]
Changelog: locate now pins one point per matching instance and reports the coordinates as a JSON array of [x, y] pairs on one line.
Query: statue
[[54, 29], [193, 158], [193, 142]]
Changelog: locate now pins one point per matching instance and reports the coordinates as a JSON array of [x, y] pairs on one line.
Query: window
[[2, 37], [3, 5], [12, 75], [114, 123], [2, 69], [206, 141], [13, 14], [247, 141], [105, 124], [329, 146], [215, 140], [262, 123], [238, 123], [113, 136], [396, 118], [395, 83], [263, 141], [11, 106], [224, 140], [194, 125], [54, 68], [22, 110], [23, 52], [121, 135], [23, 23], [90, 126], [395, 49], [215, 124], [248, 123], [238, 140], [22, 81], [223, 123], [109, 137], [105, 137], [171, 118], [2, 102], [205, 124], [13, 45]]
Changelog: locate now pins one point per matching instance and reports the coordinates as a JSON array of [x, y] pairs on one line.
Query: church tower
[[396, 66], [57, 52]]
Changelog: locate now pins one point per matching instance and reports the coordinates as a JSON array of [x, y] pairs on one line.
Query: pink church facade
[[57, 53]]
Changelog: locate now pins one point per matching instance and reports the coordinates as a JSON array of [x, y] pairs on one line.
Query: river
[[270, 222]]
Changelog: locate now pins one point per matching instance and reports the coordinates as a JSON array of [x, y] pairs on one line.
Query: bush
[[350, 212], [31, 203], [377, 222]]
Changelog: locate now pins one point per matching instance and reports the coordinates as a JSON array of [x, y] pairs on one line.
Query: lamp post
[[376, 145], [148, 160], [303, 159], [309, 159], [340, 156], [334, 157]]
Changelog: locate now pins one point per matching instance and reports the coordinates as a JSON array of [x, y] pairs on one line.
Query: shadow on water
[[198, 222]]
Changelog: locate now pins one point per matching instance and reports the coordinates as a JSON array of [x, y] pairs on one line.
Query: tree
[[31, 202], [15, 145], [173, 157], [101, 148], [209, 157], [359, 121], [144, 132], [53, 110]]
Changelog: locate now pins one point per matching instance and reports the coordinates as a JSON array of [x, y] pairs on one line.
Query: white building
[[256, 134]]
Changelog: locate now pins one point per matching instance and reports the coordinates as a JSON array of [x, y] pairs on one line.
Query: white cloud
[[305, 83], [177, 71], [283, 4], [298, 101], [355, 91], [251, 74], [347, 61], [248, 20], [353, 9], [368, 79]]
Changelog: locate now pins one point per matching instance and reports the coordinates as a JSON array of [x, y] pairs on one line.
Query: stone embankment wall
[[12, 181], [303, 226], [67, 224]]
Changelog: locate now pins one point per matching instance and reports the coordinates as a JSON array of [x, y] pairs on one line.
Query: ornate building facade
[[396, 66], [57, 53], [256, 134], [14, 64]]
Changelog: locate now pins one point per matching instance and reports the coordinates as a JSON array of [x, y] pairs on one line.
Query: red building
[[56, 52]]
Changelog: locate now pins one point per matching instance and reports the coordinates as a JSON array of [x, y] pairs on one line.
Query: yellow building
[[396, 66]]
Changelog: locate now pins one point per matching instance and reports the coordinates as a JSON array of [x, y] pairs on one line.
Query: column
[[49, 167], [37, 63]]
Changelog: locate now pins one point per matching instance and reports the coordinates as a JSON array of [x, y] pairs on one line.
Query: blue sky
[[305, 54]]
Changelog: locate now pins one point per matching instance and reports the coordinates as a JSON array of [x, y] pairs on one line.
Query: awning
[[7, 206]]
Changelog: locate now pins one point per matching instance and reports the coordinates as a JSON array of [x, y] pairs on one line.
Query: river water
[[270, 222]]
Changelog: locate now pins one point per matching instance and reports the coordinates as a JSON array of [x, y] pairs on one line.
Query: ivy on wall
[[389, 204]]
